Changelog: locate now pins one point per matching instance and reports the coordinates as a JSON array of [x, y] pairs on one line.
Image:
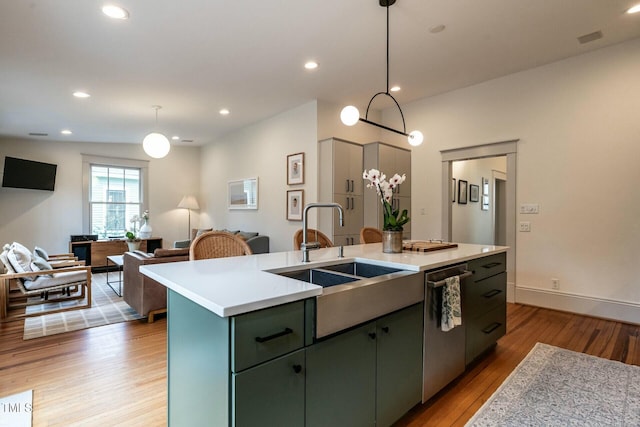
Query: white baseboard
[[580, 304]]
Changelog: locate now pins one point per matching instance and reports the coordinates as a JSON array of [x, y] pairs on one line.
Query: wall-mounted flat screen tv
[[21, 173]]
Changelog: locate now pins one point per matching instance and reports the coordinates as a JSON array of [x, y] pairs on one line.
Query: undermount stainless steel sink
[[338, 274], [355, 292]]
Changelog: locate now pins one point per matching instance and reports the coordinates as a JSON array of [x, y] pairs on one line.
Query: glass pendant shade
[[156, 145], [415, 138], [350, 115]]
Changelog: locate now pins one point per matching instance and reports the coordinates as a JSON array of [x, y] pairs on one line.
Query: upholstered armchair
[[143, 294]]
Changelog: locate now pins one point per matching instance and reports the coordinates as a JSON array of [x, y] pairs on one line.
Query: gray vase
[[391, 242]]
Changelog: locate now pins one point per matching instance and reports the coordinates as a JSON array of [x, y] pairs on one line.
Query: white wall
[[470, 224], [47, 219], [261, 150], [579, 132]]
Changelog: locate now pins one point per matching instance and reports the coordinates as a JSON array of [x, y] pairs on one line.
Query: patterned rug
[[106, 308], [557, 387], [15, 410]]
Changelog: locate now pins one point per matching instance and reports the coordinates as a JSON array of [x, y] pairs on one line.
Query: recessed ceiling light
[[80, 94], [311, 65], [634, 9], [66, 132], [175, 138], [437, 29], [395, 88], [115, 12], [224, 112]]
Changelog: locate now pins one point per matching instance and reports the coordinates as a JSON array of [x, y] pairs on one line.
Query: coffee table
[[118, 261]]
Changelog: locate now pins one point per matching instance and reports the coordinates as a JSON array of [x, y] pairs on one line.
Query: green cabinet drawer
[[271, 394], [263, 335], [483, 331], [488, 266], [485, 295]]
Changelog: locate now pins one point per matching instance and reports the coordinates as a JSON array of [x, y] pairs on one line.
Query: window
[[113, 192], [114, 199]]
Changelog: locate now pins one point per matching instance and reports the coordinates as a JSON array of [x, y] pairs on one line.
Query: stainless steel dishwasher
[[444, 352]]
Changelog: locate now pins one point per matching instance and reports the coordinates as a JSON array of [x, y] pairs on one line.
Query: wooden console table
[[95, 252]]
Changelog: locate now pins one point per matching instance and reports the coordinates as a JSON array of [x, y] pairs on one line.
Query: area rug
[[557, 387], [16, 410], [106, 308]]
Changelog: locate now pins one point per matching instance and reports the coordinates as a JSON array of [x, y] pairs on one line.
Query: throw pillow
[[40, 264], [20, 258], [38, 251], [202, 231], [246, 235]]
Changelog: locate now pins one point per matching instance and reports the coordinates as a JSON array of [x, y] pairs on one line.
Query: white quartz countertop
[[236, 285]]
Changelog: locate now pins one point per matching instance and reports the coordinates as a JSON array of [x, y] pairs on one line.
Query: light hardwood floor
[[116, 374]]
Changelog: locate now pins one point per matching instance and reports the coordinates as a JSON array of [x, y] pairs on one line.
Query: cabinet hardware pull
[[372, 335], [492, 327], [353, 204], [297, 369], [385, 329], [352, 186], [286, 331], [491, 265], [492, 293], [347, 189]]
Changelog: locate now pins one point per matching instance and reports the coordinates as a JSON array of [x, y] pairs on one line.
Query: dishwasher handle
[[440, 283]]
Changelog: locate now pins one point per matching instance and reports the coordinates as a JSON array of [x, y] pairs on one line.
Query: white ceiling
[[194, 57]]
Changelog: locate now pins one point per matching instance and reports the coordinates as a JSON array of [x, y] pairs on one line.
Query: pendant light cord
[[387, 48]]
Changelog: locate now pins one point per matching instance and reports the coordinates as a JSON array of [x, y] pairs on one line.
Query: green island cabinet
[[484, 305], [263, 368]]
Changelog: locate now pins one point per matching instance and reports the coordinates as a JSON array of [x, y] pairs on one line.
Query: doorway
[[507, 196]]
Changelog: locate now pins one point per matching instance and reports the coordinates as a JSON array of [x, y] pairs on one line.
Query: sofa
[[258, 243], [143, 294]]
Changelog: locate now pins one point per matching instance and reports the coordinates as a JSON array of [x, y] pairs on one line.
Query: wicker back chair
[[312, 236], [370, 235], [218, 244]]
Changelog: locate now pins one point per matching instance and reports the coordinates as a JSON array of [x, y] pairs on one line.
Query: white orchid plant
[[394, 220], [131, 235]]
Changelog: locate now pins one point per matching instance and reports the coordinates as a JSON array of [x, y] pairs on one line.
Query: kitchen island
[[245, 347]]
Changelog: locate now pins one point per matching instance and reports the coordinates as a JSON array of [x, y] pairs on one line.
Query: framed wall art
[[462, 192], [243, 194], [295, 202], [474, 193], [295, 169]]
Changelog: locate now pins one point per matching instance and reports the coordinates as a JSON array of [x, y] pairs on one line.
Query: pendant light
[[350, 114], [156, 144]]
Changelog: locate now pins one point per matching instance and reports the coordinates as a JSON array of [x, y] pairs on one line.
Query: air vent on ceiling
[[38, 134], [590, 37], [187, 140]]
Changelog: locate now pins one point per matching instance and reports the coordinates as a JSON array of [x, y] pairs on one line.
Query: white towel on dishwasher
[[451, 310]]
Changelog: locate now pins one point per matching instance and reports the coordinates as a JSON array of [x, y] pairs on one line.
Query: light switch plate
[[529, 208]]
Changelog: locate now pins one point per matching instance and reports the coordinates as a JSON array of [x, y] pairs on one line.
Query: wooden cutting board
[[426, 246]]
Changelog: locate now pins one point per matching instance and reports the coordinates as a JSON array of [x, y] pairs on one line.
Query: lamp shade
[[350, 115], [156, 145], [189, 202], [415, 138]]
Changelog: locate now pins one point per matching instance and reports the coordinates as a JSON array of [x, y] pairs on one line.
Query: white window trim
[[90, 159]]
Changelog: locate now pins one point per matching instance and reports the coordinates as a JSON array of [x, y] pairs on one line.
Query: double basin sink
[[355, 292]]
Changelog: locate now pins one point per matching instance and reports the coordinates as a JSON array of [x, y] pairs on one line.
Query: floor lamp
[[189, 202]]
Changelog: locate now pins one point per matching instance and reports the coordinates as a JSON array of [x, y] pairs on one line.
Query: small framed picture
[[295, 169], [295, 203], [474, 193], [462, 192], [485, 203]]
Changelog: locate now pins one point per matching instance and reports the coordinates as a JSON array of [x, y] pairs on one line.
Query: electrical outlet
[[525, 226], [555, 283]]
